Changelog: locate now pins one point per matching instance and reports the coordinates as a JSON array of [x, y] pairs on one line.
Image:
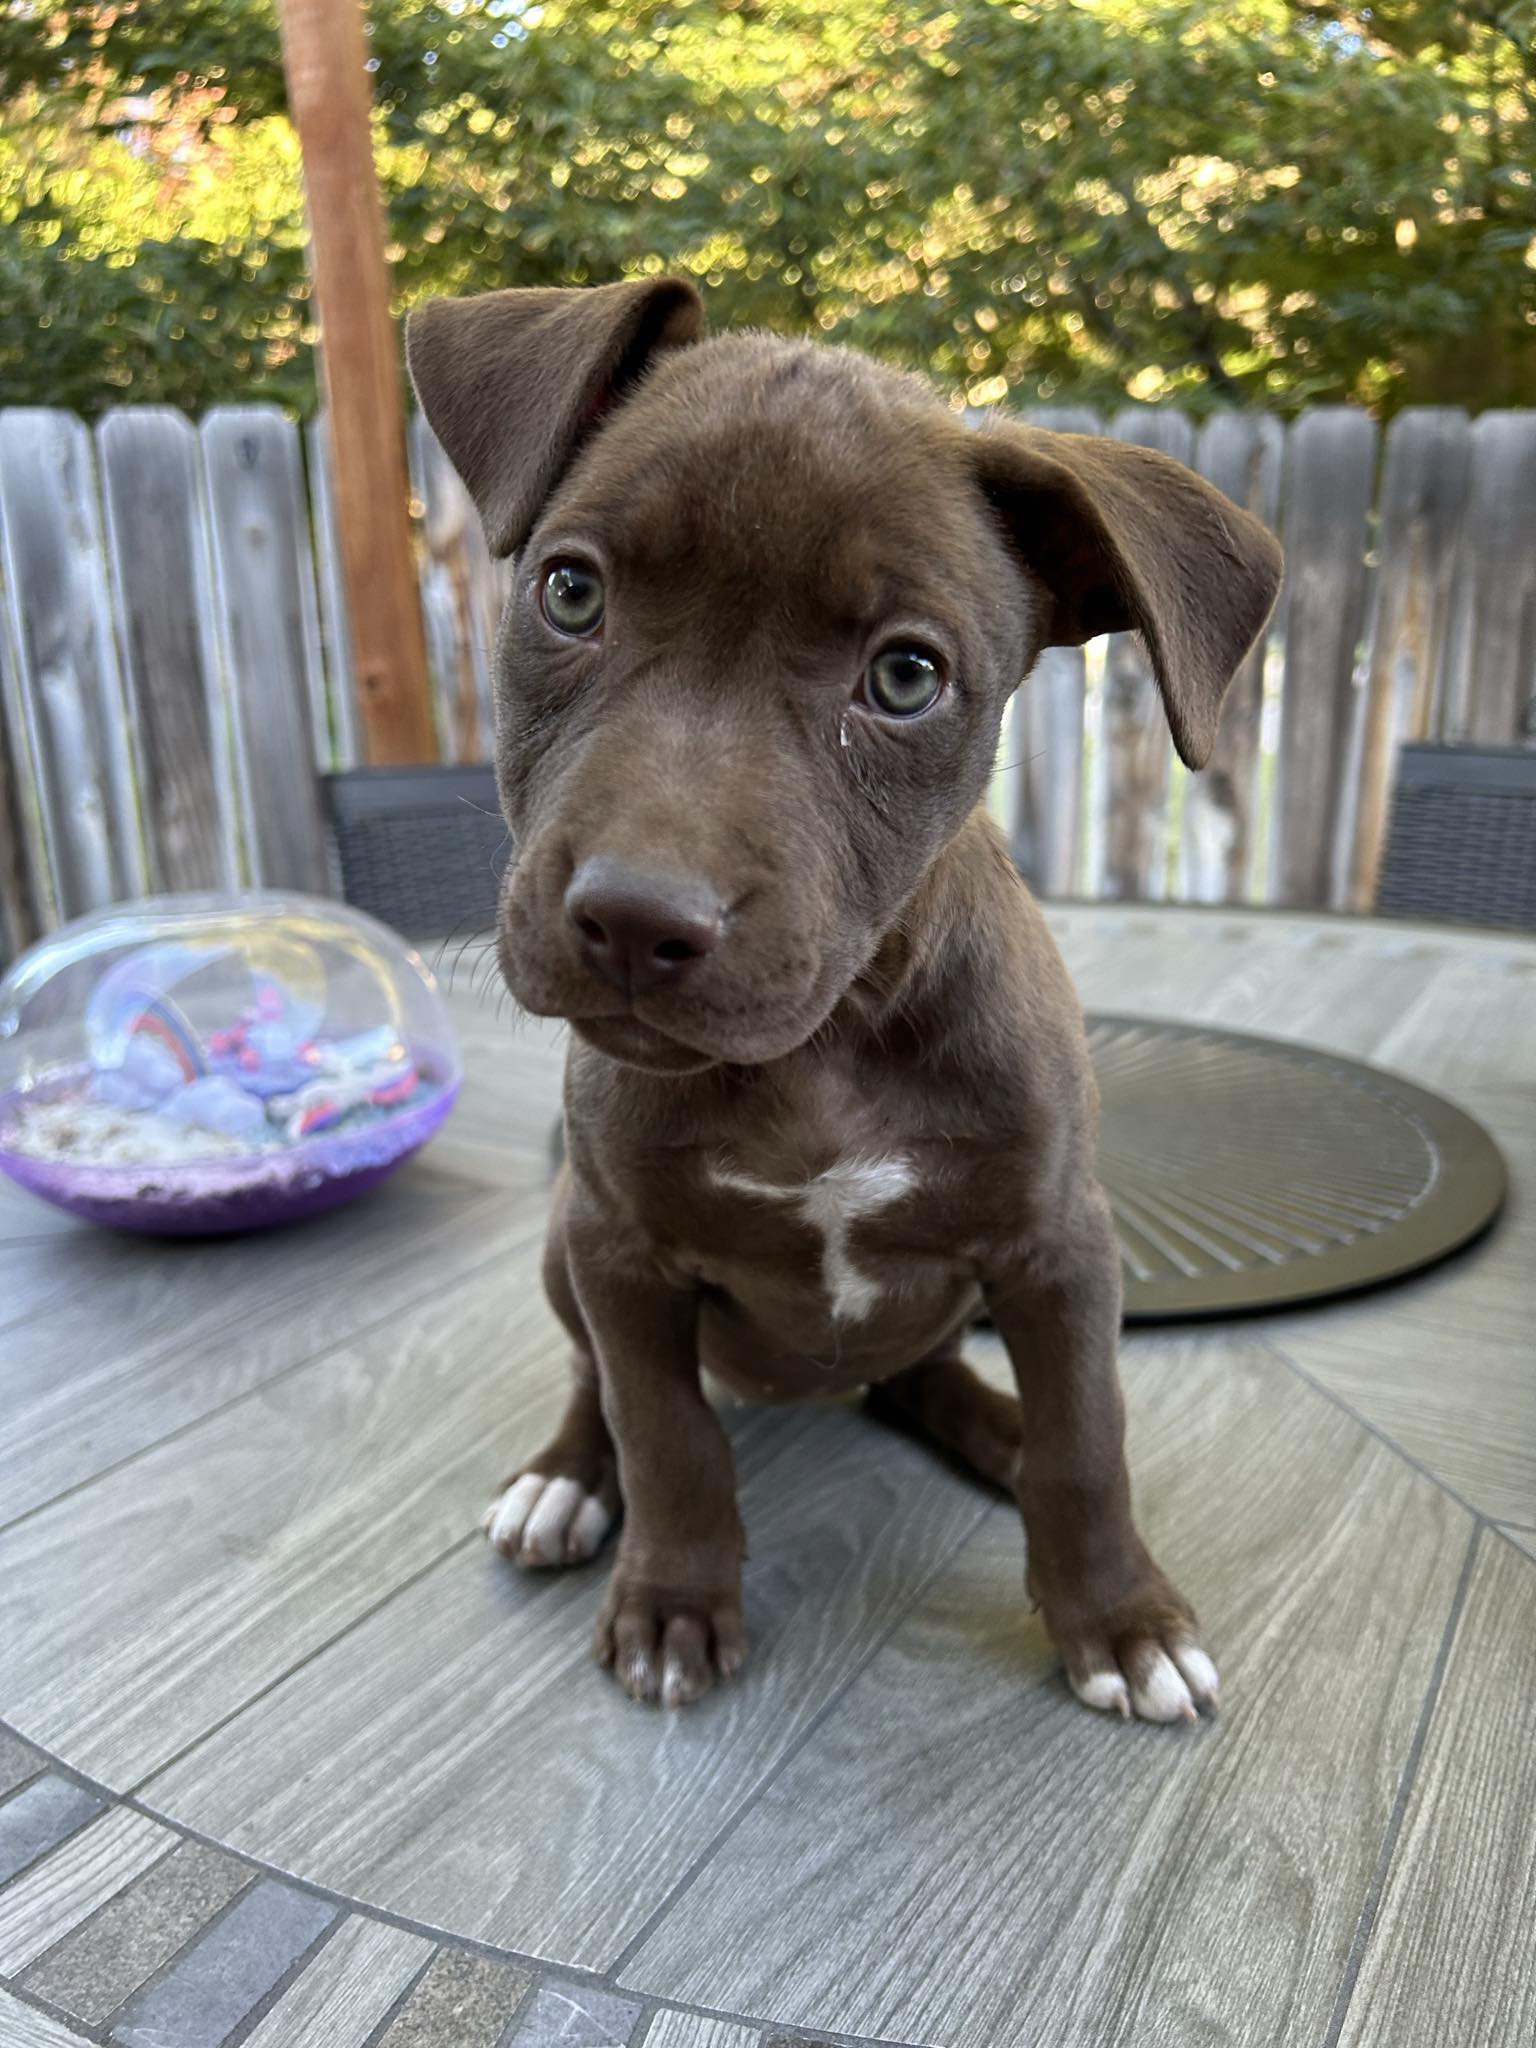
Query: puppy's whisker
[[1020, 761], [471, 940], [465, 943], [439, 952]]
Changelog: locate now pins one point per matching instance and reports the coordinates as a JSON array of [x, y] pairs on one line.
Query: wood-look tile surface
[[526, 1801], [958, 1856], [1450, 1955], [260, 1593], [1302, 979], [24, 1219], [23, 2026], [18, 1762], [142, 1336], [92, 1971], [202, 1571], [54, 1896], [692, 2030], [340, 1999], [1442, 1363], [514, 1066]]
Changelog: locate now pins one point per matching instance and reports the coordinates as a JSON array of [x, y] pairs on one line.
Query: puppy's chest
[[821, 1201], [850, 1192]]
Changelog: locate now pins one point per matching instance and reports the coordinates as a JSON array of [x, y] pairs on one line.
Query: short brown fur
[[866, 978]]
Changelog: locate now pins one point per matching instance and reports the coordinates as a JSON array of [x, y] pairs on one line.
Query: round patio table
[[288, 1755]]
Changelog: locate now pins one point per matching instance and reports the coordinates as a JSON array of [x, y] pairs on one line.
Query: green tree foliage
[[1274, 201]]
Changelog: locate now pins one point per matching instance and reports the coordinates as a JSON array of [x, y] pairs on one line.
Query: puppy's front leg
[[671, 1622], [1128, 1637]]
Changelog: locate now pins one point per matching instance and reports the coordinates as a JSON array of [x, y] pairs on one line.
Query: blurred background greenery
[[1263, 202]]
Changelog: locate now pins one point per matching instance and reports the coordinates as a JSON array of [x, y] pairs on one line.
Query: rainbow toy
[[132, 999], [262, 1075]]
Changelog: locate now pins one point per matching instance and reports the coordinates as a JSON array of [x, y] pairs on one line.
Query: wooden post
[[325, 57]]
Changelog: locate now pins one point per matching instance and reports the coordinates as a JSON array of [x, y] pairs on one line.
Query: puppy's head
[[769, 603]]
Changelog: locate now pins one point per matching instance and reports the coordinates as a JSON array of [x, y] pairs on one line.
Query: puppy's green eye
[[572, 598], [903, 681]]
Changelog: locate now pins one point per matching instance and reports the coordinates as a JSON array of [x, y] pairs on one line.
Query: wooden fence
[[1408, 613], [174, 660]]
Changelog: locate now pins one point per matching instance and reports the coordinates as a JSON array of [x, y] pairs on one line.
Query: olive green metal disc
[[1245, 1173]]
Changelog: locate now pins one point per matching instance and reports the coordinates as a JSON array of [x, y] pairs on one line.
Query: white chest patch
[[832, 1203]]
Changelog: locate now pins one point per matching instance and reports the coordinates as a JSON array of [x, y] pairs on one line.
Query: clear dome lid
[[194, 1063]]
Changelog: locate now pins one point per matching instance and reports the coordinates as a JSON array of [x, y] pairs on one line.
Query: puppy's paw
[[665, 1647], [539, 1520], [1168, 1680], [1144, 1657]]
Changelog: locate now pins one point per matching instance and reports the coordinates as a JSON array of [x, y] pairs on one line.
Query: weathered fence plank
[[1330, 469], [1043, 743], [461, 598], [1490, 698], [1242, 454], [1418, 529], [21, 866], [265, 616], [157, 539], [67, 673], [337, 744], [1136, 752]]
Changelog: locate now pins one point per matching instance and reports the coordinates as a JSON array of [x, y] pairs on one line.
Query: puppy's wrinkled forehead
[[784, 470]]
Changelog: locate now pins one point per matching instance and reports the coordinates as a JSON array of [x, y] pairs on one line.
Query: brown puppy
[[828, 1088]]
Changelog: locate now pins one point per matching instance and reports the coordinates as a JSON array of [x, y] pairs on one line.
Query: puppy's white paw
[[1171, 1684], [1105, 1691], [542, 1521]]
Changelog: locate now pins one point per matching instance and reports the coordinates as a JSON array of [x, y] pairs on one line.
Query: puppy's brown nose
[[641, 931]]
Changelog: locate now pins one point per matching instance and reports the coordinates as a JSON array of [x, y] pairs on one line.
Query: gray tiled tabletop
[[289, 1760]]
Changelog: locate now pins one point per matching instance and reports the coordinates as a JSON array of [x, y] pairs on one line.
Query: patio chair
[[1461, 844], [422, 849]]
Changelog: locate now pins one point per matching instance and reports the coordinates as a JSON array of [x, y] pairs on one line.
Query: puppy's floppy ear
[[1127, 539], [511, 382]]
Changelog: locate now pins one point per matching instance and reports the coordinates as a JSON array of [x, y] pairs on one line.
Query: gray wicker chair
[[1461, 844]]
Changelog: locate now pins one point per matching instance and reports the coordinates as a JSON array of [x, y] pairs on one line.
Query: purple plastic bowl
[[212, 1197]]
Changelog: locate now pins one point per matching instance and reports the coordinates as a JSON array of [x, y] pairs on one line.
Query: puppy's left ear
[[1125, 540], [513, 382]]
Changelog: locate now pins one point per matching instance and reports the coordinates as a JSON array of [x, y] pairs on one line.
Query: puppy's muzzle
[[641, 932]]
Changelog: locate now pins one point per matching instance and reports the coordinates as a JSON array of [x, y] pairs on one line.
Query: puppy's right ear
[[513, 382]]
